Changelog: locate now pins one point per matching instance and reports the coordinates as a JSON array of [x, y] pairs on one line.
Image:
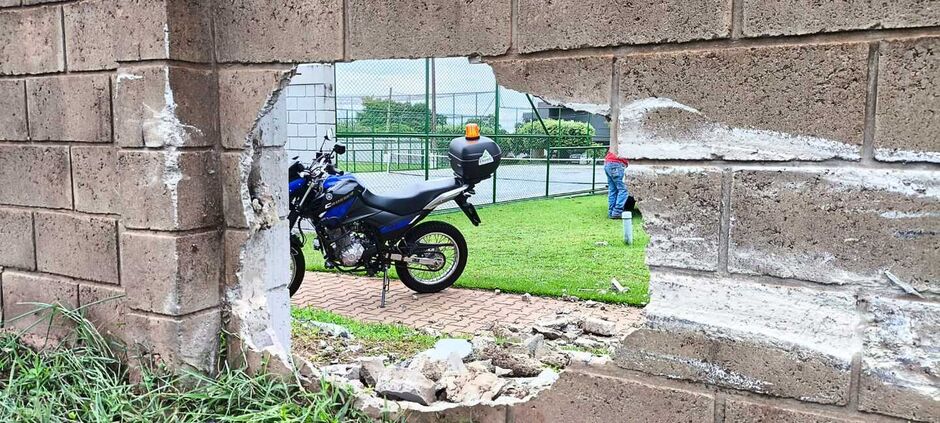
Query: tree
[[561, 133], [383, 115]]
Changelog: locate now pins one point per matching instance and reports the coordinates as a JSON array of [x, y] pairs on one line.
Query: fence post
[[593, 169], [548, 163], [427, 119], [495, 135]]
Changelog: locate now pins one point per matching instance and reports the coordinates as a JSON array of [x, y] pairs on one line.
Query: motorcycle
[[357, 230]]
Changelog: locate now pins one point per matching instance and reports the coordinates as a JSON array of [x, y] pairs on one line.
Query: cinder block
[[435, 28], [20, 288], [740, 411], [568, 24], [9, 3], [94, 172], [172, 274], [190, 342], [79, 246], [70, 108], [106, 308], [778, 340], [576, 397], [35, 176], [90, 34], [681, 212], [157, 106], [792, 17], [269, 178], [761, 103], [580, 80], [31, 41], [169, 190], [235, 199], [837, 226], [235, 240], [314, 28], [899, 364], [16, 233], [13, 110], [98, 33], [242, 95], [906, 124]]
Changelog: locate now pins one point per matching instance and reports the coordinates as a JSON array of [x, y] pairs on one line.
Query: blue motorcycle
[[357, 230]]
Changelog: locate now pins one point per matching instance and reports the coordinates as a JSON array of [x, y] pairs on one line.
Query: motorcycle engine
[[350, 248]]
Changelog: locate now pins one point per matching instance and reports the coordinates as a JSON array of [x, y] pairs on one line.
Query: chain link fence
[[397, 117]]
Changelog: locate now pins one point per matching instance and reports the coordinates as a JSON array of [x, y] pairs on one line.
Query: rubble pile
[[504, 365]]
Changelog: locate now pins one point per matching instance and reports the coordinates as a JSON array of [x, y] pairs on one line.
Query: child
[[615, 168]]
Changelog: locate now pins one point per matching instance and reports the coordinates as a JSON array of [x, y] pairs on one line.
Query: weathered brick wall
[[787, 155]]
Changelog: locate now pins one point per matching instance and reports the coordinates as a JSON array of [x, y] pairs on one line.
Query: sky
[[406, 77]]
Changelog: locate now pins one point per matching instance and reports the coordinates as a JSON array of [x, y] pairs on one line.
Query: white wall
[[311, 110]]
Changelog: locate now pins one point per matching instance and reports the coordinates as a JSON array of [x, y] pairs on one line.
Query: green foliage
[[562, 133], [383, 115], [86, 382]]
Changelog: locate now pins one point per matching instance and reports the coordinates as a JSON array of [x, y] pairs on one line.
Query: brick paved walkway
[[456, 311]]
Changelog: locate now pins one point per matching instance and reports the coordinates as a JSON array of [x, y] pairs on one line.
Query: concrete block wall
[[109, 163], [786, 156]]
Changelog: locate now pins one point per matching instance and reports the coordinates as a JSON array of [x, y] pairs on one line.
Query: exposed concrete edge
[[247, 300]]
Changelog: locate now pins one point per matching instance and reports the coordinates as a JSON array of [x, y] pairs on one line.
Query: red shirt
[[612, 158]]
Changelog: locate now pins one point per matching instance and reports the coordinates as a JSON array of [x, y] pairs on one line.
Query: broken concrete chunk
[[433, 368], [345, 371], [547, 332], [378, 409], [533, 343], [521, 365], [586, 343], [480, 387], [617, 287], [330, 328], [406, 385], [599, 327], [558, 322], [443, 348], [370, 368]]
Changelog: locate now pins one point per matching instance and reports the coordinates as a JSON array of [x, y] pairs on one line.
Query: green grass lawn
[[549, 247]]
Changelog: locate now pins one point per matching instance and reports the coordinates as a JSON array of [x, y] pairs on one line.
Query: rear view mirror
[[339, 148]]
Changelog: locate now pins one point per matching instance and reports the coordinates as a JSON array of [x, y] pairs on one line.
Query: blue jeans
[[616, 189]]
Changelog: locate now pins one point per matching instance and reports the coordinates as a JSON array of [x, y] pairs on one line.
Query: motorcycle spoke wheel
[[443, 247]]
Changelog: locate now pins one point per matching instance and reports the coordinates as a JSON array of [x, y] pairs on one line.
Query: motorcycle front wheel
[[297, 266], [433, 240]]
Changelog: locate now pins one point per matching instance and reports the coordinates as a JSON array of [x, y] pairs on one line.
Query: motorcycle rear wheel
[[450, 244], [297, 267]]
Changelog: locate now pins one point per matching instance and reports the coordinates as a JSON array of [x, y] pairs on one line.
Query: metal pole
[[427, 118], [495, 136], [537, 114], [388, 111], [593, 169], [433, 96]]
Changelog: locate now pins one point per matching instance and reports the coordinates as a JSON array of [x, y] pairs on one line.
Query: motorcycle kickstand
[[384, 287]]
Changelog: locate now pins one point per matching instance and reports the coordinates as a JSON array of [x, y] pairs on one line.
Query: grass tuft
[[394, 341], [84, 380]]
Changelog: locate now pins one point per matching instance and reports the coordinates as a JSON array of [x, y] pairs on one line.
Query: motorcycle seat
[[412, 199]]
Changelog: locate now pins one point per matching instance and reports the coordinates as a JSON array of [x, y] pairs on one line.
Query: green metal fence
[[401, 136]]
